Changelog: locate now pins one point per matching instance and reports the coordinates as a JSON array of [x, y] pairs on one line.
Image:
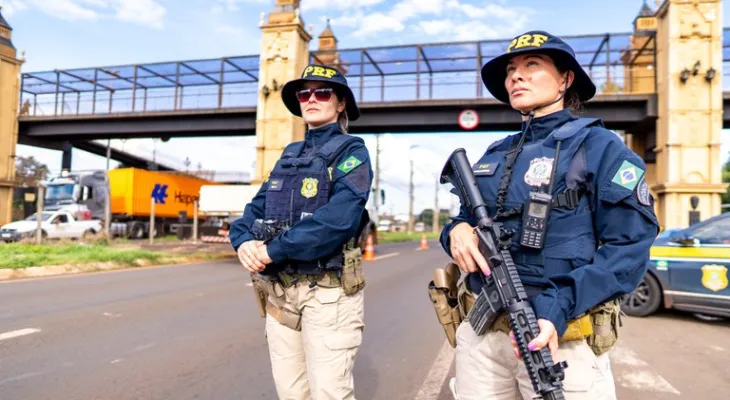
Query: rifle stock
[[502, 291]]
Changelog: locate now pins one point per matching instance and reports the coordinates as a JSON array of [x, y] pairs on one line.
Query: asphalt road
[[193, 332]]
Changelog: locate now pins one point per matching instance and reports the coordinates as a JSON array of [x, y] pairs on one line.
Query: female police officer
[[299, 234], [599, 227]]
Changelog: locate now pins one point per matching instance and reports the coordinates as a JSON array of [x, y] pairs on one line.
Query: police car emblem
[[539, 171], [642, 193], [714, 277], [309, 187]]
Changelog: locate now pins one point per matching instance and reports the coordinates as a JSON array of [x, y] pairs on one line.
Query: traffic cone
[[424, 242], [369, 249]]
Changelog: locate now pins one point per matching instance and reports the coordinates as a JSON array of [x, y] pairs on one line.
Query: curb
[[7, 274]]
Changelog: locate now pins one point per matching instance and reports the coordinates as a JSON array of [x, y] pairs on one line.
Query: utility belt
[[452, 301], [270, 291]]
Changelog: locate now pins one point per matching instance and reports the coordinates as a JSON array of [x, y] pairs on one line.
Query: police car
[[688, 271]]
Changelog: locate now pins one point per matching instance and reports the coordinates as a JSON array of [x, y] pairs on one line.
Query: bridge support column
[[689, 62], [284, 55], [9, 98], [66, 156]]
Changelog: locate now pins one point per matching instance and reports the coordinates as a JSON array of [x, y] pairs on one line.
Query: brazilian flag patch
[[348, 165], [628, 175]]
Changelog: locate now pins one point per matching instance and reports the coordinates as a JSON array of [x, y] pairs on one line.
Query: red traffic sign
[[468, 119]]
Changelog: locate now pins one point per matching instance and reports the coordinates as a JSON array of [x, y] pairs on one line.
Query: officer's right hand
[[246, 255], [465, 250]]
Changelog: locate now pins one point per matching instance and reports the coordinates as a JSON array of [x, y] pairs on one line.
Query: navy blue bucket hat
[[494, 72], [320, 73]]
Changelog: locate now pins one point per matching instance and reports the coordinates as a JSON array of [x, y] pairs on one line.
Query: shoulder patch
[[628, 175], [349, 164], [642, 192]]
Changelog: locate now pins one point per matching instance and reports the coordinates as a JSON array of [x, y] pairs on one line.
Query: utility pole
[[410, 205], [436, 209], [376, 186], [107, 201]]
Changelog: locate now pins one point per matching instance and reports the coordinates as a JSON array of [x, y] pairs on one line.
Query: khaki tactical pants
[[486, 368], [315, 362]]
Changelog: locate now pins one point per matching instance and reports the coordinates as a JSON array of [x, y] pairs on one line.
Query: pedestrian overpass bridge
[[412, 88]]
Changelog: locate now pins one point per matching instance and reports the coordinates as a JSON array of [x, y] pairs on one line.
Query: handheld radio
[[536, 212]]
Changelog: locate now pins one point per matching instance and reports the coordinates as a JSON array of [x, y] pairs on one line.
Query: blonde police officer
[[298, 238], [600, 227]]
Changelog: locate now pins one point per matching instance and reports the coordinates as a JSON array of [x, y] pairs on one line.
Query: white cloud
[[10, 7], [339, 5], [445, 19], [437, 27], [142, 12]]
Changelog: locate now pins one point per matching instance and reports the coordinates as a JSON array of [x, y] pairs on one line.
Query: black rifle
[[502, 290]]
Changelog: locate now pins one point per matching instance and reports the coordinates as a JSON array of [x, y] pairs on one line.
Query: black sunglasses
[[321, 94]]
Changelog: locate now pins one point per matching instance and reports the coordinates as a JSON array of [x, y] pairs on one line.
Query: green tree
[[426, 217], [29, 171]]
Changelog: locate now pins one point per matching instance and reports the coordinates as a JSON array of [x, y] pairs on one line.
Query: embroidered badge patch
[[309, 187], [628, 175], [275, 185], [539, 171], [485, 169], [642, 192], [348, 165]]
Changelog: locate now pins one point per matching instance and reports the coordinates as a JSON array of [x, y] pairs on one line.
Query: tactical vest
[[298, 186], [570, 240]]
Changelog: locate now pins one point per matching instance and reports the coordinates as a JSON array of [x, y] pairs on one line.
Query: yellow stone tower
[[9, 98], [284, 55], [327, 53], [639, 60], [690, 107]]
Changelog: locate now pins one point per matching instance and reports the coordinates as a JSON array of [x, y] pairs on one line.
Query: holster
[[605, 320], [443, 292], [276, 307], [260, 293]]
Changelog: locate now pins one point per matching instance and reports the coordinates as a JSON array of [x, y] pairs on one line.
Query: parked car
[[54, 225], [688, 270]]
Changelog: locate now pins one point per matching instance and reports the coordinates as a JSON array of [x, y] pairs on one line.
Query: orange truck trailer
[[132, 192]]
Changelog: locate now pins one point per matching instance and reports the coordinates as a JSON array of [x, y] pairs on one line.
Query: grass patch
[[398, 237], [21, 255]]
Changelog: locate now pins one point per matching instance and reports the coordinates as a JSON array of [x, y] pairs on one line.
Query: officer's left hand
[[548, 336]]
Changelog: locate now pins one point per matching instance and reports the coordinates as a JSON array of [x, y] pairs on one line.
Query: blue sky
[[86, 33]]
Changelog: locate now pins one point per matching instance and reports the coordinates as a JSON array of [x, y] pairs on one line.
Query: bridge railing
[[618, 63], [172, 86]]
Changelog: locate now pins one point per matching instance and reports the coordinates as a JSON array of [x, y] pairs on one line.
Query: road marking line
[[19, 332], [384, 256], [431, 387], [637, 373]]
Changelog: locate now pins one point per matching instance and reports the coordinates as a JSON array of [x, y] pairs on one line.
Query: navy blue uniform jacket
[[331, 225], [622, 222]]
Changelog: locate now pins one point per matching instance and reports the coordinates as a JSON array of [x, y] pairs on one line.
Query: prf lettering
[[319, 71], [527, 40]]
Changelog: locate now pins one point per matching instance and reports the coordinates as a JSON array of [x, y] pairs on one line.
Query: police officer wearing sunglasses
[[298, 237], [599, 224]]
